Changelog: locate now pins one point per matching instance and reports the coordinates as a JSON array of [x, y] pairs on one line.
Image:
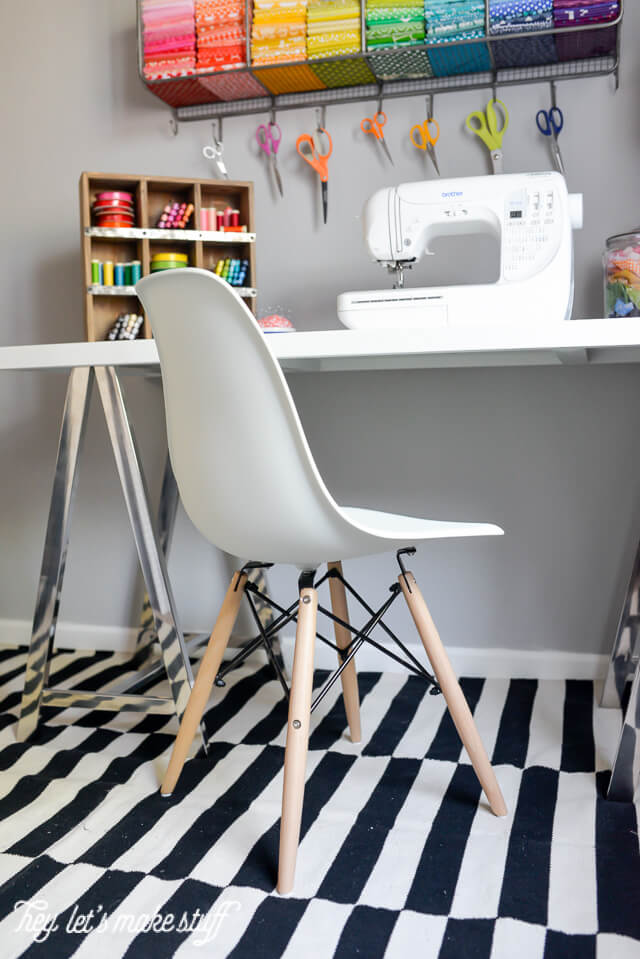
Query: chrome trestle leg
[[173, 650], [72, 429], [625, 771], [624, 667], [174, 658], [624, 654], [167, 509]]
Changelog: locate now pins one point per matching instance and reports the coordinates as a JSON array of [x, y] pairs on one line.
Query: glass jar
[[622, 275]]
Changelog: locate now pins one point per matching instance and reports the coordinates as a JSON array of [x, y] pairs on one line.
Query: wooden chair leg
[[458, 706], [348, 676], [295, 756], [204, 681]]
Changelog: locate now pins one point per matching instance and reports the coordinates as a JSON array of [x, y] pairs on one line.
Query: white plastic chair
[[248, 481]]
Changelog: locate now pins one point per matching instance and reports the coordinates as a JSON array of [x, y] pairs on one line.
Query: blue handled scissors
[[269, 138], [550, 123]]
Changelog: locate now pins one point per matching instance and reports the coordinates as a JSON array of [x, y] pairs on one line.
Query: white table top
[[573, 342]]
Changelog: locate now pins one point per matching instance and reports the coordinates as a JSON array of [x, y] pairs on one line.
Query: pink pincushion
[[275, 324]]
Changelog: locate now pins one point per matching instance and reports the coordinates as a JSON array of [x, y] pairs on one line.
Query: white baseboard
[[120, 639], [490, 663], [493, 663]]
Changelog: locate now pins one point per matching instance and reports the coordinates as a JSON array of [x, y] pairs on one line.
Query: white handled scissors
[[214, 153]]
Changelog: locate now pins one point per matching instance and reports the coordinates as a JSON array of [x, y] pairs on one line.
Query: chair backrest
[[244, 470]]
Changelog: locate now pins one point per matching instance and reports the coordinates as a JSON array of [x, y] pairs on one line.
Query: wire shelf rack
[[566, 53]]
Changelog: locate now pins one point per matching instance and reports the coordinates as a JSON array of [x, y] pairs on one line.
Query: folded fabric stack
[[522, 16], [333, 28], [392, 23], [577, 13], [168, 37], [585, 43], [221, 33], [279, 31], [454, 20]]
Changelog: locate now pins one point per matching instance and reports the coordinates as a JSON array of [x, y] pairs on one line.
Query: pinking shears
[[485, 126], [309, 152]]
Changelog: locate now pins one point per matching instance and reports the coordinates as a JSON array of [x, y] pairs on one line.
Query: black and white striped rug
[[399, 854]]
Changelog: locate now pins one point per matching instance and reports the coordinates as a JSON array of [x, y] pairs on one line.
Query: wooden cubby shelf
[[104, 303]]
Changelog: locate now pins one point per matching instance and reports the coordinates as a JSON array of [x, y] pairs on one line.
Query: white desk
[[580, 341], [575, 342]]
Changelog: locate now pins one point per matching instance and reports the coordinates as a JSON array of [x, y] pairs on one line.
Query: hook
[[216, 126], [321, 118], [553, 94], [173, 124], [429, 99], [272, 114], [379, 98], [494, 88]]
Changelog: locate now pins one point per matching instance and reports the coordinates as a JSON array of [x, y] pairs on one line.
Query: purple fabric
[[569, 13], [584, 43]]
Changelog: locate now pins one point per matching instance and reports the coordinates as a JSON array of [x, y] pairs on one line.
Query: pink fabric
[[169, 37]]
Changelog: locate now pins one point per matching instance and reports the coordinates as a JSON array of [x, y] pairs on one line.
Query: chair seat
[[409, 529]]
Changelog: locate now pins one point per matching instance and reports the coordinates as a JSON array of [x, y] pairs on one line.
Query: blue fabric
[[466, 58], [521, 16], [453, 20]]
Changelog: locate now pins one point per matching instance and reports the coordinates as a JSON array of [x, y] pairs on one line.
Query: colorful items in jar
[[175, 216], [622, 275], [126, 327], [113, 208], [233, 271]]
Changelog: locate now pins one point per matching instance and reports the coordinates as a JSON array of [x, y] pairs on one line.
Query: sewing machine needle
[[386, 150]]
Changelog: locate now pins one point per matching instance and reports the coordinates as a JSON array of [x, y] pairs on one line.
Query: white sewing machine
[[531, 214]]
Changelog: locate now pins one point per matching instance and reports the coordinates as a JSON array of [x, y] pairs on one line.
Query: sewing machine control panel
[[532, 231]]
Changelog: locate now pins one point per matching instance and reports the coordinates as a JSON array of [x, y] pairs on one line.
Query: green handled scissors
[[485, 126]]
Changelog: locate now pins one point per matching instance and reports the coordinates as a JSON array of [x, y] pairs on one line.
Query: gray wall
[[550, 454]]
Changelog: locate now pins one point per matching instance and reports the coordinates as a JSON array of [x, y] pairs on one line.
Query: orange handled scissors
[[318, 161], [374, 125]]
